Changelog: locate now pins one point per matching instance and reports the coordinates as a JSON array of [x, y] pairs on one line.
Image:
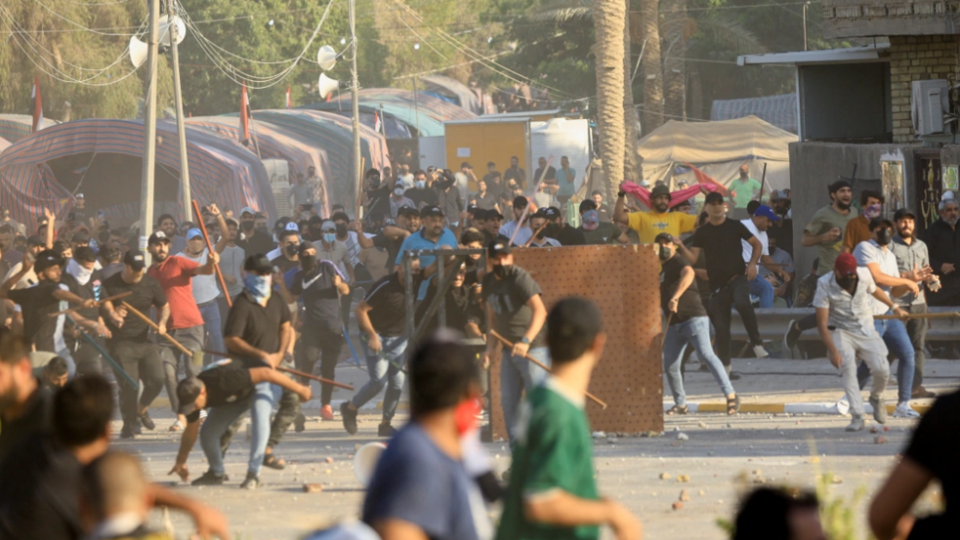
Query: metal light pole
[[355, 106], [185, 199], [149, 128]]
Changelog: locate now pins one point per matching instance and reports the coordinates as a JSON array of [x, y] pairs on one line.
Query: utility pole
[[149, 128], [185, 200], [355, 105], [805, 6]]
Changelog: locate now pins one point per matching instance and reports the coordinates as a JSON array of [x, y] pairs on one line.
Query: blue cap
[[767, 212], [194, 233]]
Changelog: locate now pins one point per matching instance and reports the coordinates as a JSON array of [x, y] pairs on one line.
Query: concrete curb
[[790, 408]]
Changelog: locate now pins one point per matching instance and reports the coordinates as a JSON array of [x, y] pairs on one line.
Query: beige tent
[[718, 149]]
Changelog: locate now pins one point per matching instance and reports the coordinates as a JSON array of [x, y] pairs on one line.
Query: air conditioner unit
[[930, 101]]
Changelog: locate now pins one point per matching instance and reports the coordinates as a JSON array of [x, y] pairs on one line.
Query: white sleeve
[[822, 298]]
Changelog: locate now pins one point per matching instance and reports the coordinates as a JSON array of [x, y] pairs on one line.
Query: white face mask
[[79, 272]]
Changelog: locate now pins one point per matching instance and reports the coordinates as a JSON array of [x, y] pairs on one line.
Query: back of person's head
[[572, 328], [56, 367], [82, 410], [115, 484], [752, 207], [14, 348], [442, 374], [471, 235], [765, 514]]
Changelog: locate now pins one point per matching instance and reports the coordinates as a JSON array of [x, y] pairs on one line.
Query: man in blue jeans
[[878, 257], [381, 316], [688, 324], [515, 310], [205, 288], [761, 220]]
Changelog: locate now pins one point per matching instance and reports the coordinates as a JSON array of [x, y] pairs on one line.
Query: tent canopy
[[409, 117], [102, 159], [4, 144], [717, 148], [14, 127], [448, 87], [434, 107]]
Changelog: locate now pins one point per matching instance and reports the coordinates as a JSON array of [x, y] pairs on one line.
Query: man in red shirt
[[185, 324]]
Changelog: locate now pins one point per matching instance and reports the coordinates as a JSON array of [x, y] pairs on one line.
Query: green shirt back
[[553, 450]]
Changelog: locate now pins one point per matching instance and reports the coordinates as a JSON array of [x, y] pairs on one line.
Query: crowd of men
[[212, 312]]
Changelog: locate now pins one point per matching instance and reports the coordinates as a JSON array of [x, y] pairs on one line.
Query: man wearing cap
[[844, 301], [490, 222], [659, 220], [782, 230], [448, 197], [252, 240], [258, 331], [519, 232], [226, 389], [434, 235], [745, 189], [333, 250], [205, 288], [540, 224], [763, 217], [913, 261], [185, 323], [129, 343], [596, 232], [560, 230], [516, 311]]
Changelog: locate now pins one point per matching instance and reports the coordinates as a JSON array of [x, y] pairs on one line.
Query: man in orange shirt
[[858, 228]]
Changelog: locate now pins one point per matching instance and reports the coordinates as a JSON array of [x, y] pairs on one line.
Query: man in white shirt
[[876, 255], [758, 225], [844, 301], [508, 229], [206, 290], [231, 265]]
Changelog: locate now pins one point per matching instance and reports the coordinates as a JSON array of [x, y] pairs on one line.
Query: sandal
[[272, 461], [677, 409], [177, 426], [733, 405]]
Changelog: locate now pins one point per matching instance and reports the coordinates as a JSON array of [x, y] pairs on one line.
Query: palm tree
[[609, 19], [652, 70]]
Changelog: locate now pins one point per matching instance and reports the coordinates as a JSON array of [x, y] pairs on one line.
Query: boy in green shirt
[[552, 493]]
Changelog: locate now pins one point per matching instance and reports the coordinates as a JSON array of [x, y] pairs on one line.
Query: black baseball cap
[[494, 214], [46, 259], [713, 197], [552, 212], [35, 240], [498, 247], [431, 211], [663, 237], [660, 190], [408, 211], [258, 264], [902, 213], [187, 393], [158, 237], [135, 260]]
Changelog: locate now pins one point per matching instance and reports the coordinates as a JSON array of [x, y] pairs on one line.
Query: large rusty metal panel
[[624, 282]]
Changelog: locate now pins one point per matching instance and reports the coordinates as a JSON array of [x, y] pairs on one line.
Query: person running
[[515, 310], [129, 343], [84, 280], [553, 492], [688, 324], [381, 317], [843, 301]]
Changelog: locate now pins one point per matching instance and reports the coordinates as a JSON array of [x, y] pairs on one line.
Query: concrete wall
[[914, 58], [876, 18], [814, 166]]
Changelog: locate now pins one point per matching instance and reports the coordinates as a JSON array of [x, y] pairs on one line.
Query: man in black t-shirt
[[560, 230], [289, 247], [931, 455], [730, 277], [515, 310], [381, 317], [130, 343], [688, 324], [226, 388]]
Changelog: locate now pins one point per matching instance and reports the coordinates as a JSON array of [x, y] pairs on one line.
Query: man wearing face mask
[[377, 193], [659, 220], [422, 193], [516, 311], [85, 281], [858, 228], [688, 326], [539, 224], [560, 230], [330, 249], [448, 197], [398, 200], [251, 239], [879, 259], [596, 232], [289, 257], [845, 301], [783, 229]]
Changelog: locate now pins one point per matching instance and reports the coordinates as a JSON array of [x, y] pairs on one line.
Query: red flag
[[289, 102], [244, 115], [704, 178], [376, 121], [37, 104]]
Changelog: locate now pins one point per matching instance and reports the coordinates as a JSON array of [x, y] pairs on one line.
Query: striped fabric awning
[[219, 172], [14, 127], [4, 144], [780, 111]]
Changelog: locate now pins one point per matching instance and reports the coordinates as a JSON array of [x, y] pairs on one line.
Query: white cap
[[292, 226], [248, 210]]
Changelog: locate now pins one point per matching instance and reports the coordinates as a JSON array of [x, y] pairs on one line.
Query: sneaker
[[792, 335], [147, 421], [760, 352], [386, 430], [299, 423], [209, 479], [856, 424], [349, 417], [326, 413], [903, 410], [921, 392], [843, 406], [879, 410], [252, 482], [128, 431]]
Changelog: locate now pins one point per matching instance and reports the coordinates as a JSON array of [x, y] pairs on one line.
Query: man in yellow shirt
[[649, 224]]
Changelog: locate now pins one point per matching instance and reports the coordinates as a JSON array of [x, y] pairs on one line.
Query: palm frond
[[561, 11], [722, 28]]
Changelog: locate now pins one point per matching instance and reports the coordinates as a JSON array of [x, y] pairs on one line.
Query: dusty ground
[[721, 456]]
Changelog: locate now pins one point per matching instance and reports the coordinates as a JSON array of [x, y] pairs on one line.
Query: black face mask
[[246, 225], [665, 253], [847, 282], [502, 270], [292, 250], [341, 229], [541, 234], [308, 262], [884, 236]]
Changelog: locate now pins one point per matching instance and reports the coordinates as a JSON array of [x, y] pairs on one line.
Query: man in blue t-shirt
[[433, 235]]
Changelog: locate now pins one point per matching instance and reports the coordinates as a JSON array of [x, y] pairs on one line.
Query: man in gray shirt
[[913, 261], [303, 191]]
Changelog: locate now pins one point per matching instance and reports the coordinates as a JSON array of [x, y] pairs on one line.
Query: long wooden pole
[[290, 371], [529, 358], [156, 328], [216, 267], [99, 303]]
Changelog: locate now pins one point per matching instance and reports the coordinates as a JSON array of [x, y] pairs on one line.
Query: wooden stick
[[154, 325], [763, 181], [216, 267], [947, 315], [527, 209], [363, 164], [288, 370], [534, 235], [99, 303], [542, 365]]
